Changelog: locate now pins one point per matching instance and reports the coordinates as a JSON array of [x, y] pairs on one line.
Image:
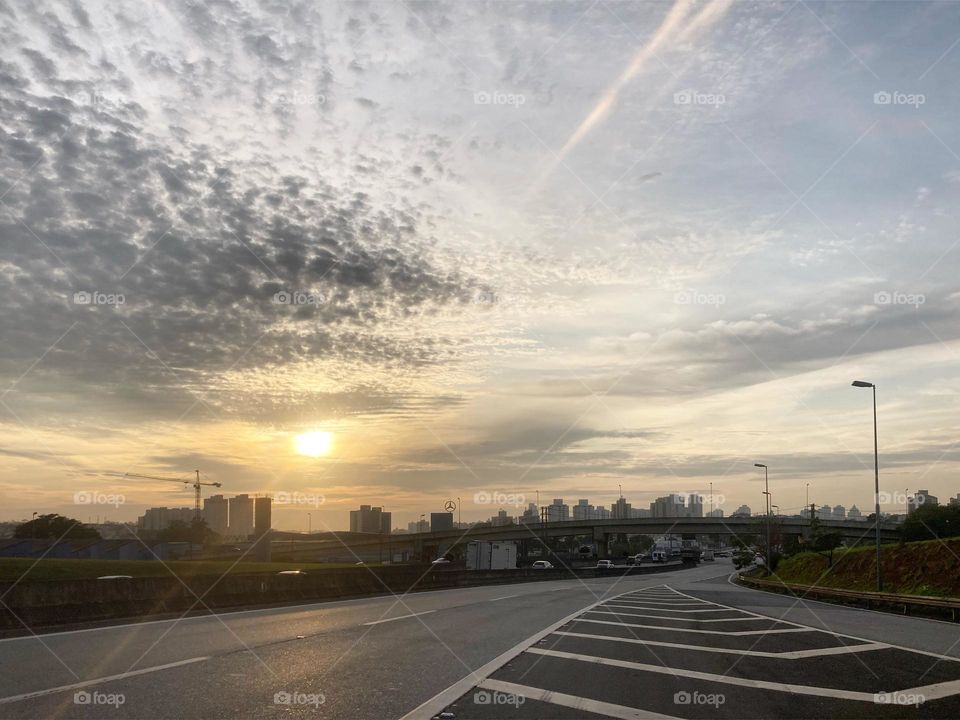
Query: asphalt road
[[386, 657]]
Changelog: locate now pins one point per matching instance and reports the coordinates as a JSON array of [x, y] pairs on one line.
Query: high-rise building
[[695, 505], [717, 513], [742, 511], [160, 518], [839, 512], [531, 515], [501, 518], [441, 521], [583, 510], [262, 515], [418, 526], [216, 513], [241, 516], [854, 513], [601, 513], [920, 499], [669, 506], [639, 513], [371, 520], [955, 500], [558, 511], [620, 510]]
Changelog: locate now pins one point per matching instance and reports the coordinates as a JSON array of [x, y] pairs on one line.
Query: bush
[[931, 522]]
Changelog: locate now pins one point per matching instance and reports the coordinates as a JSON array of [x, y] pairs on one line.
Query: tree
[[930, 522], [196, 532], [55, 526]]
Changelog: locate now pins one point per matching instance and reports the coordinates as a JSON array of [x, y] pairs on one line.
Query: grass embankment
[[919, 568], [31, 570]]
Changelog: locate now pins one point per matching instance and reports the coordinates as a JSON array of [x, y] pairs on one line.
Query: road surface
[[607, 647]]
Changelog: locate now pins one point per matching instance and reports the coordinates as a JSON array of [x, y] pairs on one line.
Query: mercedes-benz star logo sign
[[450, 506]]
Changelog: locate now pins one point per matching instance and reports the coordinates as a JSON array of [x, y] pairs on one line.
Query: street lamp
[[766, 484], [876, 476]]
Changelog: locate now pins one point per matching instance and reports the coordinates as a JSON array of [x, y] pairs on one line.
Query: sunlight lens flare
[[314, 444]]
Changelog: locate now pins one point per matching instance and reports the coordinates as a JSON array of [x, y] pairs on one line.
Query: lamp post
[[766, 485], [309, 524], [876, 476]]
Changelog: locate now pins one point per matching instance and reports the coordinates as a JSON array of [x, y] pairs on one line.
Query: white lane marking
[[665, 604], [713, 677], [100, 680], [400, 617], [680, 619], [637, 607], [505, 597], [789, 655], [438, 702], [621, 712], [736, 633]]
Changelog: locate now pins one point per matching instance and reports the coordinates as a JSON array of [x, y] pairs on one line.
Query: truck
[[491, 555], [659, 556]]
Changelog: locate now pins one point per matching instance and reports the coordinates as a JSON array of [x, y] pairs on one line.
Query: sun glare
[[314, 444]]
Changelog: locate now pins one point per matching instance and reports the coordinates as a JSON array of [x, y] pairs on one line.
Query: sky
[[490, 248]]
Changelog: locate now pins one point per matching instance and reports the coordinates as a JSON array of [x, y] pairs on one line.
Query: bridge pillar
[[601, 540]]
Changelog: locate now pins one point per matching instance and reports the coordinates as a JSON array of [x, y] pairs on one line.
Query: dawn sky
[[487, 247]]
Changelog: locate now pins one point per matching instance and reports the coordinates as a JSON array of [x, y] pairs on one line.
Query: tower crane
[[196, 485]]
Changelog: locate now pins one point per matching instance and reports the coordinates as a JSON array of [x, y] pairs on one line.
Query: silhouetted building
[[160, 518], [921, 498], [217, 514], [558, 511], [620, 510], [441, 521], [742, 511], [241, 516], [370, 520], [718, 513], [669, 506], [262, 515]]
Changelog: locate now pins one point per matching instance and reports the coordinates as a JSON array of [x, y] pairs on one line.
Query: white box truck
[[491, 556]]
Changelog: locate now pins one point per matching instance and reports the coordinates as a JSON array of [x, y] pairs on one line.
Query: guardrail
[[919, 604]]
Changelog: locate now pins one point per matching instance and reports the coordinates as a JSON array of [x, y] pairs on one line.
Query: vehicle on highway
[[440, 561], [658, 556], [115, 577], [605, 563], [542, 565], [707, 555], [291, 572]]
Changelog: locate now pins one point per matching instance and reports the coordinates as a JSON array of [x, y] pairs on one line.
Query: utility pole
[[711, 499]]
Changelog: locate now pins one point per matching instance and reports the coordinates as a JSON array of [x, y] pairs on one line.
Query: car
[[707, 555], [291, 572], [604, 563], [440, 561], [658, 556], [115, 577], [542, 565]]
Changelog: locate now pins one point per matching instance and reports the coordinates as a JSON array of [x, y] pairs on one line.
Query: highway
[[610, 647]]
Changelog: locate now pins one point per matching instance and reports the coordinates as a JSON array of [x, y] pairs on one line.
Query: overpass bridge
[[372, 546]]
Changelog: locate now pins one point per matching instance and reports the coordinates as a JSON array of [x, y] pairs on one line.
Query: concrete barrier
[[38, 604]]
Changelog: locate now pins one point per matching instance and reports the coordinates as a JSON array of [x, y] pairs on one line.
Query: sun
[[314, 444]]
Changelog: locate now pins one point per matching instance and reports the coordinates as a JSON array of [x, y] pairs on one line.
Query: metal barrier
[[938, 605]]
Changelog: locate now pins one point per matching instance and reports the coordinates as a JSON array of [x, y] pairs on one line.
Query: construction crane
[[196, 485]]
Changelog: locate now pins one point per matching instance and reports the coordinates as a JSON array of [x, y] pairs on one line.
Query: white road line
[[681, 619], [665, 604], [725, 679], [401, 617], [505, 597], [790, 655], [438, 702], [621, 712], [738, 633], [100, 680], [637, 607]]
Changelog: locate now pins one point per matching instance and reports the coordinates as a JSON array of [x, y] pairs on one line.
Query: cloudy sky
[[489, 248]]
